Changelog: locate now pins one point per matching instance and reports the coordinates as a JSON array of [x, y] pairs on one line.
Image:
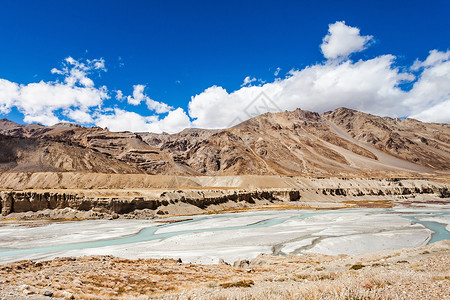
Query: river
[[208, 238]]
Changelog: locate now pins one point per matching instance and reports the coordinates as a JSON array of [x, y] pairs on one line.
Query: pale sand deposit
[[24, 234], [440, 219], [207, 239]]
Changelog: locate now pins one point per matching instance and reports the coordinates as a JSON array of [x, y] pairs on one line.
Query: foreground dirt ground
[[418, 273]]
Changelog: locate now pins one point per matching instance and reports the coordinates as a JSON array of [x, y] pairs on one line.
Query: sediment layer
[[22, 201], [206, 194]]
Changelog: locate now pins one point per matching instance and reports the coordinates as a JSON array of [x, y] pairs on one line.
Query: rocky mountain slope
[[341, 142], [34, 154]]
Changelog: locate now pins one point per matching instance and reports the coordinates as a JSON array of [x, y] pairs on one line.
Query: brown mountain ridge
[[293, 143]]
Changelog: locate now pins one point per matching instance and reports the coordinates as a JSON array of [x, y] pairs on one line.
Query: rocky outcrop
[[23, 201], [301, 192], [441, 192]]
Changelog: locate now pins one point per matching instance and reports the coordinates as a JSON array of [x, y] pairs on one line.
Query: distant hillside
[[34, 155], [297, 142]]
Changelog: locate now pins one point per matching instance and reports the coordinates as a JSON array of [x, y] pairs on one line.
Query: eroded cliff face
[[23, 201], [312, 192]]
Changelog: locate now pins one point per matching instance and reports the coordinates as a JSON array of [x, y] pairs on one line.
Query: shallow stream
[[230, 236]]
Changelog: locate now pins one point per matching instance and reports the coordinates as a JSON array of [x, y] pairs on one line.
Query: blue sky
[[180, 49]]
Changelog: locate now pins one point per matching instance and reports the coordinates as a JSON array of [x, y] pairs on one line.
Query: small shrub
[[241, 283], [357, 267], [281, 279], [211, 284]]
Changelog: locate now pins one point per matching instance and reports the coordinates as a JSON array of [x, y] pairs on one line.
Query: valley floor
[[411, 273], [415, 273]]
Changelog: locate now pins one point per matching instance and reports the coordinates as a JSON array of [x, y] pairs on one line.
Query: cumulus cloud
[[277, 71], [39, 101], [119, 95], [435, 57], [139, 96], [429, 99], [343, 40], [9, 91], [77, 98], [76, 72], [122, 120], [79, 116], [175, 121], [158, 107], [248, 80], [372, 86], [437, 113]]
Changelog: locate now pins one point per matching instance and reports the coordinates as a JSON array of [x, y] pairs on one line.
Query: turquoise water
[[440, 232], [149, 233], [146, 234]]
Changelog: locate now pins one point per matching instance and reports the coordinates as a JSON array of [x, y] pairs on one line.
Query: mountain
[[298, 142], [34, 155]]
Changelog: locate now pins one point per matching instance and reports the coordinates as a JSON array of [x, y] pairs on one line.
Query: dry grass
[[274, 207], [422, 273], [370, 203], [238, 284]]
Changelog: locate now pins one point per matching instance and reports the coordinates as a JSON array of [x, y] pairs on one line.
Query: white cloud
[[248, 80], [435, 57], [139, 96], [36, 100], [78, 99], [99, 64], [76, 72], [343, 40], [79, 116], [438, 113], [429, 98], [46, 118], [371, 86], [175, 121], [119, 95], [277, 71], [368, 85], [158, 107], [9, 91], [40, 100], [122, 120]]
